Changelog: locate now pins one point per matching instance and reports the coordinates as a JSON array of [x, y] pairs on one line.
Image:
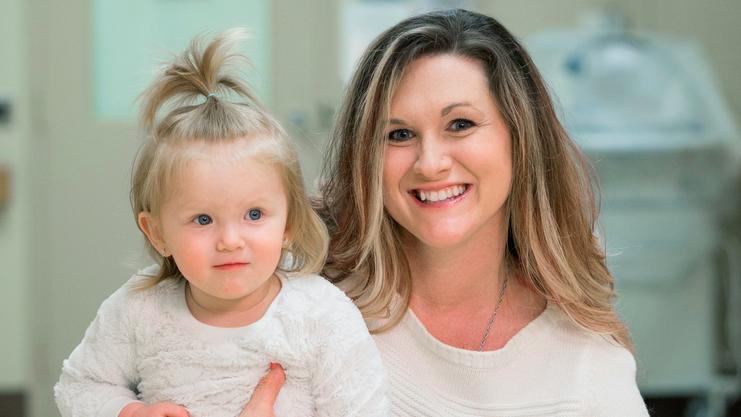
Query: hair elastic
[[209, 95]]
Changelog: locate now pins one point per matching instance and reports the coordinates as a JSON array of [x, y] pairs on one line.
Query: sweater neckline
[[529, 335], [186, 316]]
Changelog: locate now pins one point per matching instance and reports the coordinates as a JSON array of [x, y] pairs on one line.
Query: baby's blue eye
[[203, 219], [254, 214]]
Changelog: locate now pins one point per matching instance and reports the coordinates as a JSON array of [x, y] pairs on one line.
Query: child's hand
[[263, 399], [154, 410]]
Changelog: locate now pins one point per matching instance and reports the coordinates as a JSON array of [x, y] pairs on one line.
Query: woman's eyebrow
[[447, 109]]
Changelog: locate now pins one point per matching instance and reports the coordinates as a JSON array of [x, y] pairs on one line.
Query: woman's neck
[[456, 291], [470, 274]]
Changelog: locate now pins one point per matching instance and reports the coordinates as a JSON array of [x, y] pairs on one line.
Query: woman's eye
[[203, 219], [459, 125], [254, 214], [400, 135]]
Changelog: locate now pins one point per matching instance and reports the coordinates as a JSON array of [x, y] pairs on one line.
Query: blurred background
[[649, 88]]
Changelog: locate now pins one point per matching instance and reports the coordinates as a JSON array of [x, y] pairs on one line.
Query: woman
[[462, 220]]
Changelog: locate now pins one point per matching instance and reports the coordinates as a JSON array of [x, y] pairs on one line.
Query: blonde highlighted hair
[[551, 208], [198, 100]]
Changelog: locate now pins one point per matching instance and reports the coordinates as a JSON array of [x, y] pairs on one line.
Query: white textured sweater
[[146, 345], [551, 368]]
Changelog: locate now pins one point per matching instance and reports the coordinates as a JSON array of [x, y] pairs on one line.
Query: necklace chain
[[490, 323]]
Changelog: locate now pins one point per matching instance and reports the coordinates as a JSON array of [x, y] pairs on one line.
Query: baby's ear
[[151, 228]]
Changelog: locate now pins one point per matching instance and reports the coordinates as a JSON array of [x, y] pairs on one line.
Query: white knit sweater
[[551, 368], [145, 345]]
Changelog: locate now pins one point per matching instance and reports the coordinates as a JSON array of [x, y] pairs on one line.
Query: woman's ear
[[151, 228]]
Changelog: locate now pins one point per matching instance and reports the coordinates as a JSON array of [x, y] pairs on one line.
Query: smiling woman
[[448, 164], [461, 218]]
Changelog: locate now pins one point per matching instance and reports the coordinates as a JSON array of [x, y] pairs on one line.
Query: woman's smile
[[440, 197]]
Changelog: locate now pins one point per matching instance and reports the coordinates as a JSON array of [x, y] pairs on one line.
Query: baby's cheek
[[270, 243], [193, 258]]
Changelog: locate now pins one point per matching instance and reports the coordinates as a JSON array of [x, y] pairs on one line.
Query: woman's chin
[[441, 238]]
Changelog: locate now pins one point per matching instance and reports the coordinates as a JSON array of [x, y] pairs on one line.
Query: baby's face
[[225, 224]]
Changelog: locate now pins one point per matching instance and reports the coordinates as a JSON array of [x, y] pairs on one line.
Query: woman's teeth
[[444, 194]]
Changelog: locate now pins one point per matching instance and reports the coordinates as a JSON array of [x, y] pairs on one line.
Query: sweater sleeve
[[613, 384], [99, 377], [350, 380]]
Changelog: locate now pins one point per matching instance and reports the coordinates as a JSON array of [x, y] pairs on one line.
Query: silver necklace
[[494, 314]]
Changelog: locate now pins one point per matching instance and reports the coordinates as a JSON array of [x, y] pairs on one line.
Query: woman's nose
[[433, 159], [229, 239]]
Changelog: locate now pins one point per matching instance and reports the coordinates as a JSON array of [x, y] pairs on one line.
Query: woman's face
[[448, 155]]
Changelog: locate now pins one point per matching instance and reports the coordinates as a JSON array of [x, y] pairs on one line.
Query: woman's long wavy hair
[[205, 102], [551, 208]]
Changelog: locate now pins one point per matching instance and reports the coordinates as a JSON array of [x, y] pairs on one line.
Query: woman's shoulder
[[607, 369], [602, 353]]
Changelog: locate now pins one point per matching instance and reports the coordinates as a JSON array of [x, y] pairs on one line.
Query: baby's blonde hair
[[204, 102]]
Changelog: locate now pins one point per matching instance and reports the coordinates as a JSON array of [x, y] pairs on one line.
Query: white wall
[[14, 256]]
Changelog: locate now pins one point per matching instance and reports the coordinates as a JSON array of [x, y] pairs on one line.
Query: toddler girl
[[218, 193]]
